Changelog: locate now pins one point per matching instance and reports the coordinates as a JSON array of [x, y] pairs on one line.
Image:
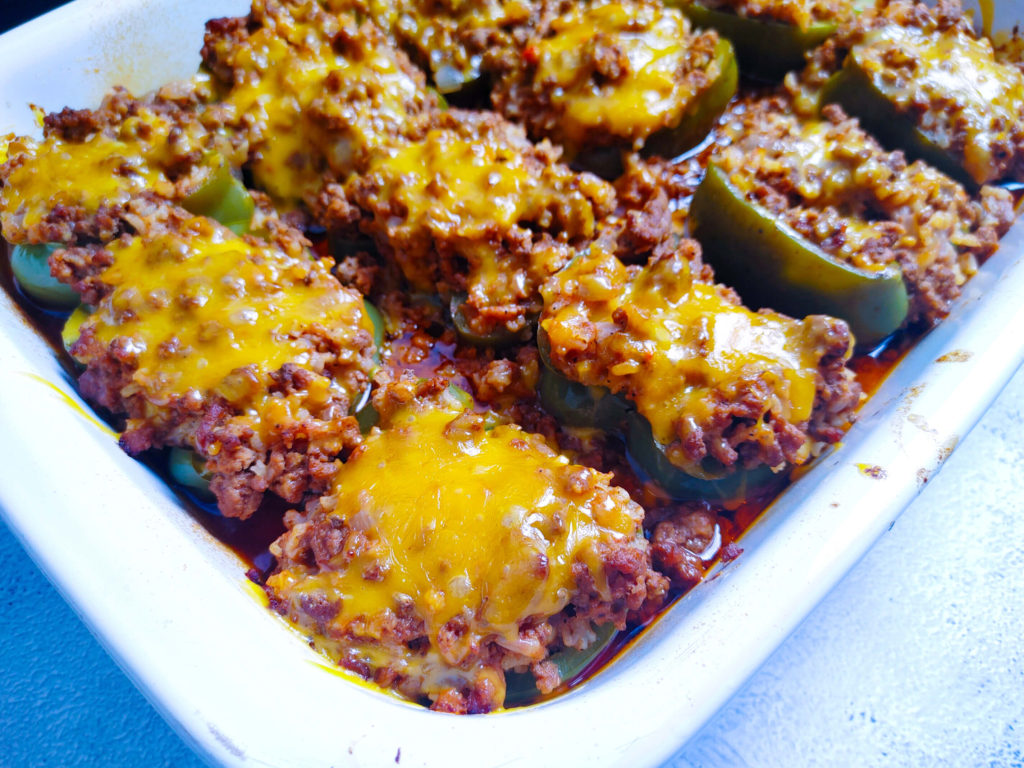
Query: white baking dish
[[175, 609]]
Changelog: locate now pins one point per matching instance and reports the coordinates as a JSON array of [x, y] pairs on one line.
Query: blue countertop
[[914, 659]]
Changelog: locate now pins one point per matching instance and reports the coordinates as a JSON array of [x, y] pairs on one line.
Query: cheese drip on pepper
[[973, 102], [316, 93], [627, 69], [148, 152], [478, 192], [835, 185], [469, 531], [676, 348], [200, 311]]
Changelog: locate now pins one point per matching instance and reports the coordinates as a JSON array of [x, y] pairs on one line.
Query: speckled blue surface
[[915, 659]]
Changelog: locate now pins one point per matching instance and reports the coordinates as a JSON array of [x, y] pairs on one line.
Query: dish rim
[[139, 601]]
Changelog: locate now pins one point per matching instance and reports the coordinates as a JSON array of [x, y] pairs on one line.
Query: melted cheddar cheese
[[143, 154], [831, 173], [315, 92], [477, 191], [973, 103], [840, 190], [675, 347], [199, 311], [620, 69], [482, 533]]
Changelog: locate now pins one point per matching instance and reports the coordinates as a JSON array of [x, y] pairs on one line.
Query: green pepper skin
[[520, 687], [31, 267], [771, 265], [766, 50], [189, 470], [597, 408], [224, 198], [378, 327], [578, 405], [366, 415], [701, 116], [648, 459], [857, 93], [692, 128], [499, 337]]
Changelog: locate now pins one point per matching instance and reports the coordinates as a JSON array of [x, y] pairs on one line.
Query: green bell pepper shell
[[693, 126], [578, 405], [865, 98], [596, 408], [30, 265], [366, 415], [378, 327], [189, 470], [520, 688], [648, 459], [766, 50], [224, 198], [499, 337], [771, 265], [700, 117]]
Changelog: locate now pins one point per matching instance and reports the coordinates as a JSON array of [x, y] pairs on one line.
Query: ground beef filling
[[713, 379], [473, 209], [836, 187], [316, 93], [939, 75], [73, 187], [518, 554], [233, 347], [609, 74]]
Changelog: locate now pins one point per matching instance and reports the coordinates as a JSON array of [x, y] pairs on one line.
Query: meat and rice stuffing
[[714, 380], [248, 352], [923, 80], [618, 74], [492, 552], [473, 209], [75, 184], [316, 93], [834, 185]]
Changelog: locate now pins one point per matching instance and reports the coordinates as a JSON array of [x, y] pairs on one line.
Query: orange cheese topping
[[108, 168], [839, 189], [54, 172], [974, 102], [202, 311], [675, 347], [648, 47], [483, 530], [825, 167], [315, 92], [467, 189]]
